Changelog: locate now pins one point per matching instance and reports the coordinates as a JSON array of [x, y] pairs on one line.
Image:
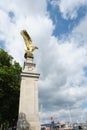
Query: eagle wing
[[27, 38]]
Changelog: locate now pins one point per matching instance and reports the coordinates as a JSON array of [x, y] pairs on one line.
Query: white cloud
[[32, 22], [65, 114], [63, 75], [81, 30], [70, 7]]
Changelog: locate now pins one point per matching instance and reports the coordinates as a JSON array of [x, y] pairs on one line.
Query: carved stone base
[[28, 123]]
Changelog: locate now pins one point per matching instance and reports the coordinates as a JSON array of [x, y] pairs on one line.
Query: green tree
[[9, 88]]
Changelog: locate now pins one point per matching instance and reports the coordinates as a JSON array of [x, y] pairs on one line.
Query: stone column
[[28, 105]]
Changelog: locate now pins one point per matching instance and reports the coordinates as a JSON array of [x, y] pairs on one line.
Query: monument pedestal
[[28, 105]]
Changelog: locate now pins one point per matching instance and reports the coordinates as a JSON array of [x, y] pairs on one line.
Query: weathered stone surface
[[29, 94]]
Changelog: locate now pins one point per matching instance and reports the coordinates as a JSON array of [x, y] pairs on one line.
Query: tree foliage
[[9, 88]]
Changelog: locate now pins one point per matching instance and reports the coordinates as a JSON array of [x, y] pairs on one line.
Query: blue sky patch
[[2, 44], [84, 105], [64, 26], [85, 71], [11, 14]]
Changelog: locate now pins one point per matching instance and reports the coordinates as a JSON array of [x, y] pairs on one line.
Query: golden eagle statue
[[28, 43]]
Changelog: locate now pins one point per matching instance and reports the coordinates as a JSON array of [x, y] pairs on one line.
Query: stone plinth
[[28, 106]]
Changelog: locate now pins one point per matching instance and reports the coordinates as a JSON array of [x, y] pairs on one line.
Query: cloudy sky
[[59, 29]]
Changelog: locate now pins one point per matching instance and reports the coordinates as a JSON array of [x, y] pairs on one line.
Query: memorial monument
[[28, 104]]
